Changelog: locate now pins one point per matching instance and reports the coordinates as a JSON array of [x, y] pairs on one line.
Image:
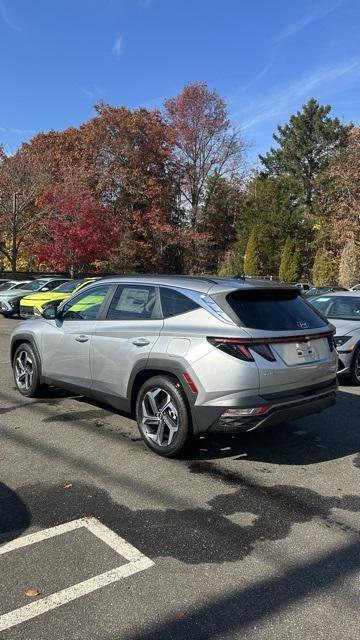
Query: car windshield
[[68, 287], [35, 285], [19, 285], [339, 307], [6, 285], [274, 310]]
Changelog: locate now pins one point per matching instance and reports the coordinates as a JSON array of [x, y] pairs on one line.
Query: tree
[[349, 269], [305, 147], [342, 194], [203, 142], [223, 203], [269, 203], [21, 184], [290, 268], [252, 265], [325, 269], [79, 233]]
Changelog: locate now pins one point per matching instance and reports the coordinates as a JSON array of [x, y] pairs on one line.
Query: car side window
[[132, 302], [174, 303], [85, 306]]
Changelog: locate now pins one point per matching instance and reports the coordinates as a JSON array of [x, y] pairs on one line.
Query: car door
[[66, 340], [123, 339]]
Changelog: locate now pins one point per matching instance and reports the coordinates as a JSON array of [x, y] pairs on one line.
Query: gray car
[[186, 355], [10, 299], [343, 309]]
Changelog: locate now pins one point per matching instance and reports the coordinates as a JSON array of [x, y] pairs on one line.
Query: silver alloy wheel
[[24, 371], [357, 366], [160, 420]]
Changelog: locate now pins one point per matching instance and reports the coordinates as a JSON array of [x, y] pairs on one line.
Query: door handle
[[82, 338], [141, 342]]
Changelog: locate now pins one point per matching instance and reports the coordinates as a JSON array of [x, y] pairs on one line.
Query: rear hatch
[[290, 342]]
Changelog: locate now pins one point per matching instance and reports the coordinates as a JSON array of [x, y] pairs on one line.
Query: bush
[[349, 269]]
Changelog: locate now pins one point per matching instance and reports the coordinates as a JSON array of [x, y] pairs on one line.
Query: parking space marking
[[136, 562]]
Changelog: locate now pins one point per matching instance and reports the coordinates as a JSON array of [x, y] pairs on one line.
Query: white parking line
[[136, 562]]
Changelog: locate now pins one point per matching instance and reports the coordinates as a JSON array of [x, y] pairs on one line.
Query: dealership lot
[[251, 537]]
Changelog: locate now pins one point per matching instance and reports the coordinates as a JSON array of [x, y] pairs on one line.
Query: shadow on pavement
[[327, 436], [14, 514]]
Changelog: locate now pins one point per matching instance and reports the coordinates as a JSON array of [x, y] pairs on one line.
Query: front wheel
[[162, 416], [26, 371], [355, 367]]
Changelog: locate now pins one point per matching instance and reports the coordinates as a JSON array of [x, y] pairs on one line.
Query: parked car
[[10, 300], [304, 286], [317, 291], [356, 287], [187, 355], [8, 285], [35, 303], [343, 309]]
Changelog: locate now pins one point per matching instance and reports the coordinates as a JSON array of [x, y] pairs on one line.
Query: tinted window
[[21, 285], [85, 306], [341, 307], [174, 303], [132, 302], [274, 310]]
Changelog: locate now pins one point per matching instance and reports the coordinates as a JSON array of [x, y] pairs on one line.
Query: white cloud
[[118, 46], [313, 16], [4, 16], [284, 98]]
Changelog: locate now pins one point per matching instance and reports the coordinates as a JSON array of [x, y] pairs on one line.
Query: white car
[[356, 287], [342, 309]]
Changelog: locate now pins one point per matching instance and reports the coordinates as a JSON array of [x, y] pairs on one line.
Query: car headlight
[[13, 302], [340, 340]]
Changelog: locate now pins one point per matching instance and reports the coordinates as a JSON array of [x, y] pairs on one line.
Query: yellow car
[[36, 303]]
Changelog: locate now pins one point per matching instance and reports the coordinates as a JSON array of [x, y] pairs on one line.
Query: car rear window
[[273, 310]]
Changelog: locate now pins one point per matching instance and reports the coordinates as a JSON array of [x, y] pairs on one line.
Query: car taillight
[[241, 348]]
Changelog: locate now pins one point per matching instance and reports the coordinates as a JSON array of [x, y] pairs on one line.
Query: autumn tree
[[203, 141], [21, 184], [79, 231], [342, 194]]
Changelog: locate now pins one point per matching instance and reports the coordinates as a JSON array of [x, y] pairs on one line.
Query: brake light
[[241, 348]]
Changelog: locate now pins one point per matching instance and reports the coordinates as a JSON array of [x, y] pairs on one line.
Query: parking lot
[[243, 537]]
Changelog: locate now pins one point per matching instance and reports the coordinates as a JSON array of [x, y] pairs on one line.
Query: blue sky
[[266, 57]]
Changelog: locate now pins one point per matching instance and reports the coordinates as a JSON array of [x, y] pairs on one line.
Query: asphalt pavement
[[245, 537]]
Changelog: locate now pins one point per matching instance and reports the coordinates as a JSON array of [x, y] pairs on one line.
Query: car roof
[[202, 284], [339, 294]]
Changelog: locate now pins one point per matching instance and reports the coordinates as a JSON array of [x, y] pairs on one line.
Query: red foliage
[[79, 231]]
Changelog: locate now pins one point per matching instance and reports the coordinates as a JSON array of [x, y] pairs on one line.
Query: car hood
[[15, 293], [345, 326]]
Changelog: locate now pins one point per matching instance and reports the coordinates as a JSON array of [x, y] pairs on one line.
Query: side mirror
[[51, 312], [44, 289]]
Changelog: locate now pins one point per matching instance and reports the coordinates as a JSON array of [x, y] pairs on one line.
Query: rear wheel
[[163, 416], [355, 367], [26, 369]]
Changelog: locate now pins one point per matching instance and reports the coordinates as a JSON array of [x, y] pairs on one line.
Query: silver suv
[[186, 355]]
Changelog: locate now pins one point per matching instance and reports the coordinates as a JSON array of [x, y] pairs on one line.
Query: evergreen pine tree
[[349, 269], [290, 264], [252, 265]]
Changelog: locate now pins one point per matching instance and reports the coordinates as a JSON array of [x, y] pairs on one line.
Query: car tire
[[163, 416], [26, 369], [354, 373]]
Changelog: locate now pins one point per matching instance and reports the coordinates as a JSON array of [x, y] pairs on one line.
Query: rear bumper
[[281, 409]]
